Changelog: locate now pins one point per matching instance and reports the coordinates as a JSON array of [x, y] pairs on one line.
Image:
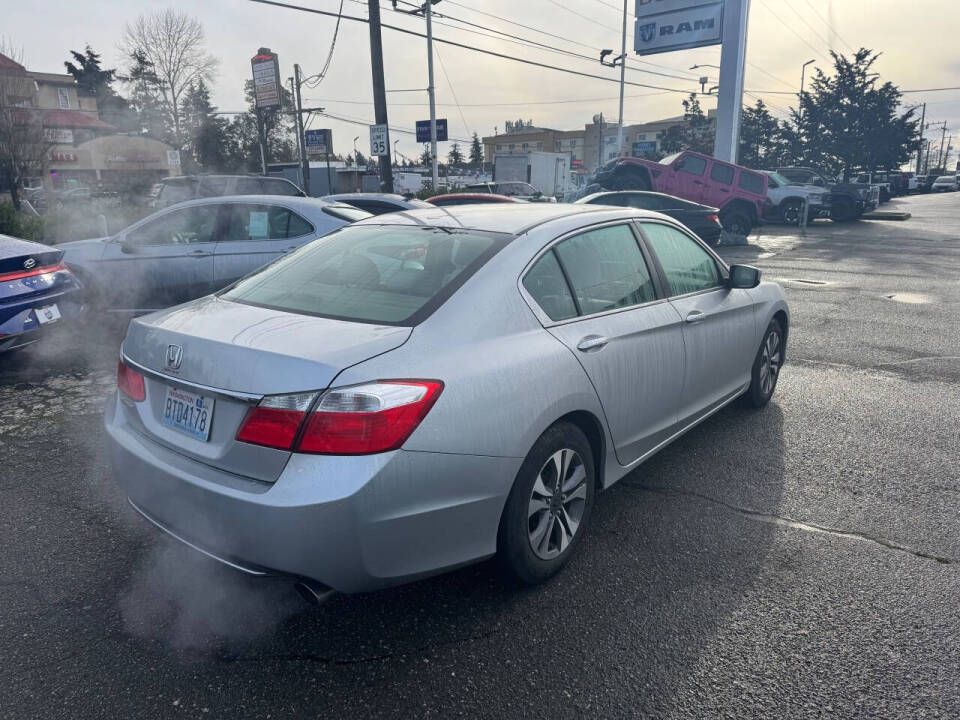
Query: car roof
[[309, 206], [511, 218], [389, 197], [488, 198]]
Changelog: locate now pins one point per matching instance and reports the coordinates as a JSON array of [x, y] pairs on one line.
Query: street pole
[[803, 73], [923, 118], [262, 139], [600, 145], [623, 70], [943, 138], [733, 55], [301, 139], [379, 92], [430, 91]]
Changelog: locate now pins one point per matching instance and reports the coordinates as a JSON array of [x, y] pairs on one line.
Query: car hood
[[243, 348]]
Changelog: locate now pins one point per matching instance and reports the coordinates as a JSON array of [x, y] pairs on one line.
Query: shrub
[[19, 224]]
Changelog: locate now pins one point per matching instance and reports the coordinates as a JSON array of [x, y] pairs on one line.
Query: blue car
[[37, 290]]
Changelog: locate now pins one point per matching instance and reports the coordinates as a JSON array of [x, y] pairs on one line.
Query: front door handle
[[592, 342], [694, 316], [199, 254]]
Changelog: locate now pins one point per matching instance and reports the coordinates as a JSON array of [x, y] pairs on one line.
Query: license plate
[[188, 412], [47, 314]]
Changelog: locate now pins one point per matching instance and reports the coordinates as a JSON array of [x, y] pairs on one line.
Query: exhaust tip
[[313, 592]]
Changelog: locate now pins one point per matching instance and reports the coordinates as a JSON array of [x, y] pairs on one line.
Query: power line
[[484, 51], [314, 81], [830, 26], [492, 105], [581, 15], [804, 21], [452, 91], [768, 74], [790, 28]]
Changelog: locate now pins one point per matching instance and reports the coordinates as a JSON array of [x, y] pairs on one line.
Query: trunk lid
[[231, 354]]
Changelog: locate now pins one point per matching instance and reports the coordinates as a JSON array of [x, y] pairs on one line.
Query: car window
[[547, 285], [692, 164], [644, 202], [248, 186], [180, 227], [178, 191], [212, 187], [688, 267], [346, 212], [606, 269], [751, 182], [382, 274], [612, 199], [276, 186], [722, 173], [374, 207], [264, 222]]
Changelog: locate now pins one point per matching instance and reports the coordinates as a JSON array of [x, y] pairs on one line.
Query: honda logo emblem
[[174, 357]]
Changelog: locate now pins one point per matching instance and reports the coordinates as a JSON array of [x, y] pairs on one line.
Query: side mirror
[[128, 248], [743, 277], [538, 194]]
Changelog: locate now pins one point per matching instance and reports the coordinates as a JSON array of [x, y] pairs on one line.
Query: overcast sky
[[919, 41]]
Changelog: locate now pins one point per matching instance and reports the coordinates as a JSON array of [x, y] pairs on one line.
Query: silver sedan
[[427, 389]]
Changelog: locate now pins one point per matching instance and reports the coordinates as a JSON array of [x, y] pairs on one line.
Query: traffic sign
[[423, 130], [378, 140], [318, 141]]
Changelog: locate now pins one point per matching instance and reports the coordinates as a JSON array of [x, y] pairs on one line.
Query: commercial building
[[83, 149]]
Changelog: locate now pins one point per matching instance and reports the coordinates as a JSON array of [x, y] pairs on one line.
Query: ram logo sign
[[666, 25]]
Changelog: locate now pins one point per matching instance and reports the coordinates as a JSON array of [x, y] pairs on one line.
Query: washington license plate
[[188, 412]]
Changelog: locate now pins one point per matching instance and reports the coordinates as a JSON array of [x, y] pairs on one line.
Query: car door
[[720, 188], [253, 235], [690, 182], [165, 260], [719, 333], [600, 299]]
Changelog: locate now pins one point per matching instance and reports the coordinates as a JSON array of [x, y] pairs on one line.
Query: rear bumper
[[353, 523], [18, 321]]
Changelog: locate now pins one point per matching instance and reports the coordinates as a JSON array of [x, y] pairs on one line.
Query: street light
[[355, 148], [803, 71], [620, 60]]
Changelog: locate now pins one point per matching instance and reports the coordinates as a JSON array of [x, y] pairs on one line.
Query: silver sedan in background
[[427, 389], [196, 247]]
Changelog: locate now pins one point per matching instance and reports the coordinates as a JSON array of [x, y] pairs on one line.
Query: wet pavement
[[800, 561]]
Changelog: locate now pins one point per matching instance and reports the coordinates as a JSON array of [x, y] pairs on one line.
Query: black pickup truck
[[848, 201]]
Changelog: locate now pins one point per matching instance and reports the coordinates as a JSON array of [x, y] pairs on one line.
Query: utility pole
[[430, 90], [379, 91], [733, 56], [301, 140], [943, 138], [623, 70], [923, 117], [261, 137]]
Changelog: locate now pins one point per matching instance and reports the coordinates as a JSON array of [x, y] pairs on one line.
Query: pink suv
[[740, 193]]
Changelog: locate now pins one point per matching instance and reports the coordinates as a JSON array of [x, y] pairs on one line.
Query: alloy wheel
[[556, 505], [770, 361]]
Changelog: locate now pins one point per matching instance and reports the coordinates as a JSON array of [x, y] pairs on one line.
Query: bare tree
[[173, 44], [24, 148]]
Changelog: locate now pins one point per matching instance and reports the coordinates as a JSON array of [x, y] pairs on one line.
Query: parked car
[[906, 182], [424, 390], [787, 200], [377, 203], [36, 291], [470, 198], [189, 187], [510, 188], [197, 247], [702, 219], [946, 183], [880, 179], [925, 183], [740, 193], [848, 201]]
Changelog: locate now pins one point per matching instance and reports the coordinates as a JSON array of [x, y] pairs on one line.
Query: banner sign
[[667, 25], [644, 148], [318, 141]]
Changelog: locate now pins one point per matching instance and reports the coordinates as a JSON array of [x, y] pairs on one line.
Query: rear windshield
[[372, 273], [347, 212], [945, 179]]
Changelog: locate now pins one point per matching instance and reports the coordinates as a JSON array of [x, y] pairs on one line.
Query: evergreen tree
[[455, 156], [97, 82], [761, 139], [210, 144], [426, 158], [696, 132], [476, 152], [144, 98]]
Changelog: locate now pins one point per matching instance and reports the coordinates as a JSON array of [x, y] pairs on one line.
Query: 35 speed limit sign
[[378, 140]]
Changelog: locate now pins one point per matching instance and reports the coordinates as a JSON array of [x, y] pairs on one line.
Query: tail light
[[713, 218], [20, 274], [130, 382], [274, 422], [358, 420]]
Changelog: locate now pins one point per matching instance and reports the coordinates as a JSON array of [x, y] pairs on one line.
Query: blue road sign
[[423, 130]]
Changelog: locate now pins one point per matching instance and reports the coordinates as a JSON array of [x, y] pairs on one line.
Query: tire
[[630, 179], [792, 210], [736, 222], [533, 542], [842, 211], [766, 372]]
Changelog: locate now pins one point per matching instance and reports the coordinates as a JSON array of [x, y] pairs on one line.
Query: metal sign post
[[730, 95]]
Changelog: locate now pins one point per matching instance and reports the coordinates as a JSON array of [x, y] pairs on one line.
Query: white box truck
[[548, 172]]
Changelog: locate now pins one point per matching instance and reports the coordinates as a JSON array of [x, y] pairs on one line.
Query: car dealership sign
[[667, 25]]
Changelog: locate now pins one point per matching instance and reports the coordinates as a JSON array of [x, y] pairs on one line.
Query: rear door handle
[[592, 342], [199, 254], [694, 316]]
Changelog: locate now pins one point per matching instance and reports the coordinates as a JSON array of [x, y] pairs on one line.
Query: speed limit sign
[[378, 140]]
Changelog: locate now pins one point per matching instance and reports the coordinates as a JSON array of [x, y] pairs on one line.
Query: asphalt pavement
[[800, 561]]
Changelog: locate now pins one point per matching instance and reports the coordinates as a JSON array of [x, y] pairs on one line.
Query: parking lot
[[797, 561]]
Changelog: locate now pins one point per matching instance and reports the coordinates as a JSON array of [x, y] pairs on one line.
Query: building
[[84, 150], [590, 147]]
